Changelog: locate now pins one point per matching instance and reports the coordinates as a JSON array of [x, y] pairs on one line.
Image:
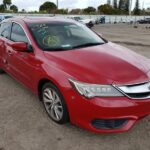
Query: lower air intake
[[109, 123]]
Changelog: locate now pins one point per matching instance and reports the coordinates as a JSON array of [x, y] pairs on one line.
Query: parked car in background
[[88, 22], [3, 17], [97, 20], [101, 20], [78, 75], [144, 21]]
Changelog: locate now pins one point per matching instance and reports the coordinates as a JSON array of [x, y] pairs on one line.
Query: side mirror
[[20, 46]]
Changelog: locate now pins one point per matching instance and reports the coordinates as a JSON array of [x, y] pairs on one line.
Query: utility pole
[[143, 6], [57, 3], [130, 8]]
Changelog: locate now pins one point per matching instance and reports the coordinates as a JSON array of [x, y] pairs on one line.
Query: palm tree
[[7, 3]]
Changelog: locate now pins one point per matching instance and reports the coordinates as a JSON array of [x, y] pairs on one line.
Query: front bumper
[[84, 112]]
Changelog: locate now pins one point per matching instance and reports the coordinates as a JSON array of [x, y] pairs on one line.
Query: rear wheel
[[54, 104]]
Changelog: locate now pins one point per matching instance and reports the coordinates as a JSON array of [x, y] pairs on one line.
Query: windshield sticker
[[51, 40]]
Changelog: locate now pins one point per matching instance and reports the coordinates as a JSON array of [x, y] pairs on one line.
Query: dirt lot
[[24, 124]]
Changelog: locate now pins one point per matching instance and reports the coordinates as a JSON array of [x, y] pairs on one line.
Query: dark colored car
[[144, 21], [79, 76], [3, 17]]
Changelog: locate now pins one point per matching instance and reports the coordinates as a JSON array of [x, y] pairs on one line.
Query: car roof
[[39, 19]]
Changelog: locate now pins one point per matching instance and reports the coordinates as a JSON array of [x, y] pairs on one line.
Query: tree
[[23, 10], [105, 9], [124, 6], [127, 6], [14, 8], [76, 11], [2, 8], [48, 7], [62, 11], [121, 3], [6, 3], [137, 9], [89, 10], [115, 5]]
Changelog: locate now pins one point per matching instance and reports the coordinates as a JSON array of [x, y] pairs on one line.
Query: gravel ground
[[24, 124]]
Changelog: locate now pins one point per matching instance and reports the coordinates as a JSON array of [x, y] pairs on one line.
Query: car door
[[22, 64], [5, 29]]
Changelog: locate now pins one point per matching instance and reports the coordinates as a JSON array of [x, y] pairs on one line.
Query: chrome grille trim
[[135, 91]]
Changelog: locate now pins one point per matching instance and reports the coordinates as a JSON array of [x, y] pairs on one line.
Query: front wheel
[[54, 104], [1, 71]]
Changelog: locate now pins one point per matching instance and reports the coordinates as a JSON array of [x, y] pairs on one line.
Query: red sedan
[[79, 76]]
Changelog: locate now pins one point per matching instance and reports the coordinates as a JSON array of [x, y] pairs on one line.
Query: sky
[[31, 5]]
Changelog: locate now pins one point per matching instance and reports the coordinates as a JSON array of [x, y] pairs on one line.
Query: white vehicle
[[88, 22]]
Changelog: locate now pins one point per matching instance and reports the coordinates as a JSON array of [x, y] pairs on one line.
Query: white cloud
[[34, 4]]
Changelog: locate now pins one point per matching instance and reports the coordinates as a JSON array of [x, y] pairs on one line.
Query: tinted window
[[18, 34], [5, 29], [7, 17]]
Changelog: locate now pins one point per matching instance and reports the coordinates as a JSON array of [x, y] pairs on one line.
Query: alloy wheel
[[53, 104]]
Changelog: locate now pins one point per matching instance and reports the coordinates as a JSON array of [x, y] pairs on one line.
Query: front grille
[[108, 123], [136, 91], [139, 95]]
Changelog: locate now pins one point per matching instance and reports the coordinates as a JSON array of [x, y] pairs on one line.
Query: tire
[[1, 71], [54, 104]]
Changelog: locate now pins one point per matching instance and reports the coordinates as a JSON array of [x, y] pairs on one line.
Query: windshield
[[78, 18], [63, 36]]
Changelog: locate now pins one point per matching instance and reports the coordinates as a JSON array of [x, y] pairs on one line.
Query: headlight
[[95, 90]]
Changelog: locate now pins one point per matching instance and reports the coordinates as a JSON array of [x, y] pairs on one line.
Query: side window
[[18, 34], [5, 29]]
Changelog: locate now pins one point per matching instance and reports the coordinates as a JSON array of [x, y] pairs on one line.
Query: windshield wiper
[[56, 49], [70, 48], [87, 44]]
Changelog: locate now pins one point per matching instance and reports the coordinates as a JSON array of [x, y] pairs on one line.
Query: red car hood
[[104, 64]]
